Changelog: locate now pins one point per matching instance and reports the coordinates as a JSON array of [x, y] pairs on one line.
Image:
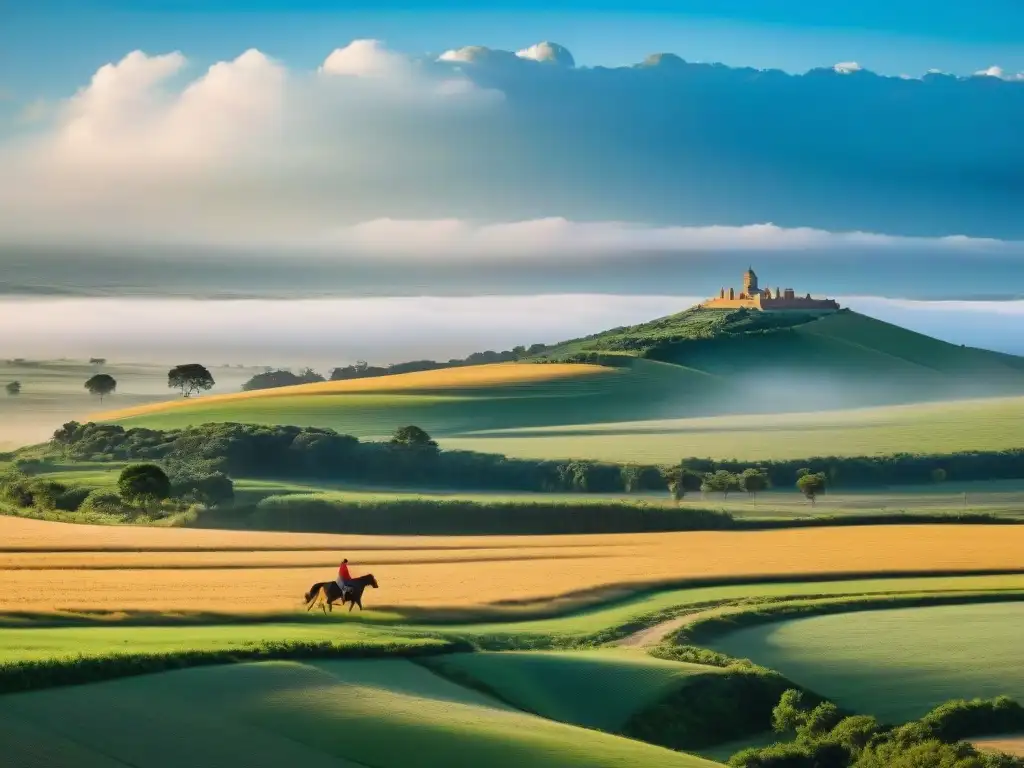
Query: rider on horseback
[[344, 577]]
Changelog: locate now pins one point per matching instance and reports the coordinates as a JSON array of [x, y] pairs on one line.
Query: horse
[[331, 591]]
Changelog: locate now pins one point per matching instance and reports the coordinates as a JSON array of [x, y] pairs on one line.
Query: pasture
[[339, 714], [444, 402], [942, 427], [138, 570], [596, 689], [895, 664]]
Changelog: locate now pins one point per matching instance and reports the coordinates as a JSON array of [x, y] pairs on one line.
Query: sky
[[394, 150]]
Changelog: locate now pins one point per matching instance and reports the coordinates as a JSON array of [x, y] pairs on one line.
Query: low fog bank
[[327, 332], [539, 264]]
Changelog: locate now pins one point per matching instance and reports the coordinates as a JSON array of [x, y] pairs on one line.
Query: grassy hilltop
[[695, 364]]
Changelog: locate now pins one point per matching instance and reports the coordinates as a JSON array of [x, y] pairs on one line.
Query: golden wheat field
[[53, 567], [469, 377]]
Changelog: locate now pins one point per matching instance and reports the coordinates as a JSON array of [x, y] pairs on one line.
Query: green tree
[[102, 384], [753, 481], [413, 437], [721, 481], [140, 483], [14, 388], [938, 475], [189, 378], [802, 471], [631, 477], [812, 486]]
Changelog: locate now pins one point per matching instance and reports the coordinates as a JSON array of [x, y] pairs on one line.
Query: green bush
[[72, 498], [825, 739], [143, 482], [104, 502]]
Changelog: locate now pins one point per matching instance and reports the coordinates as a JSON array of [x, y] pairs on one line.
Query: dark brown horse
[[331, 592]]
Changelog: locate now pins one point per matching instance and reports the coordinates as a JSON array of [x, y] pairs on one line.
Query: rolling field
[[59, 567], [895, 664], [958, 425], [338, 714], [448, 401], [599, 413], [23, 640], [596, 689]]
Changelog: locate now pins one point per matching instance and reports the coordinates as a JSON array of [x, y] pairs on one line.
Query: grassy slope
[[707, 363], [341, 714], [896, 664], [430, 400], [956, 425], [595, 689]]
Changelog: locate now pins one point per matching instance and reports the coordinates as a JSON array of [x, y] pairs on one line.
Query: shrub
[[104, 502], [72, 498], [46, 493], [143, 482]]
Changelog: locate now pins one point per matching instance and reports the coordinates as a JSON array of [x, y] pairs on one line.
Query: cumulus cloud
[[251, 151], [548, 53], [1000, 73], [847, 67]]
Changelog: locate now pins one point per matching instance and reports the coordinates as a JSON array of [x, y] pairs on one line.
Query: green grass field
[[896, 664], [493, 708], [344, 714], [596, 689], [942, 427]]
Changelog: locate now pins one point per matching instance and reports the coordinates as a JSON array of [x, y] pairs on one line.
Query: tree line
[[413, 459], [270, 379]]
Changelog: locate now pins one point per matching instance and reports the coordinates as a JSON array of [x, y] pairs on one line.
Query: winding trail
[[655, 634]]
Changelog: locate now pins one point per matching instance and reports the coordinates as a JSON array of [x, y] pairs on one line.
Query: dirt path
[[655, 634]]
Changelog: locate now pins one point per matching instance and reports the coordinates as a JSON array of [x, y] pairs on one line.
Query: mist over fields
[[338, 331]]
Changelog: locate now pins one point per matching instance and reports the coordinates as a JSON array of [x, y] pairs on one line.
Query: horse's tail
[[313, 592]]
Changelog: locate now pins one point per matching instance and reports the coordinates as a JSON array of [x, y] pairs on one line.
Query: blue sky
[[50, 47]]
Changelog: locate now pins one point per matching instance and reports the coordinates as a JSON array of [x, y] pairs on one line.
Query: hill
[[325, 714], [693, 364]]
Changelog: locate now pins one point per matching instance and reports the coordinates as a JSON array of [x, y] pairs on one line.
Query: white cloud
[[548, 53], [366, 58], [847, 67], [1000, 73], [251, 153], [542, 237], [244, 151]]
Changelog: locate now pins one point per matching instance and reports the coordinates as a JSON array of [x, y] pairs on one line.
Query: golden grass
[[175, 570], [468, 377]]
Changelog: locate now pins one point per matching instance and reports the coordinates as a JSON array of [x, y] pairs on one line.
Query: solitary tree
[[14, 388], [812, 485], [753, 481], [413, 437], [143, 482], [101, 384], [189, 378]]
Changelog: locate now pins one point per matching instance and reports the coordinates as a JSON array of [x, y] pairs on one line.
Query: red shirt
[[343, 573]]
